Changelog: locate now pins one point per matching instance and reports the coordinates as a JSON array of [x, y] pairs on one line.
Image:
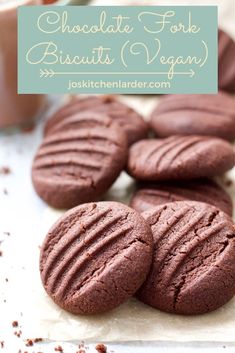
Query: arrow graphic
[[45, 73]]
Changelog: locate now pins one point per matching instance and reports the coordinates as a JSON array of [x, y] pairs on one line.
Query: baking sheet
[[24, 222]]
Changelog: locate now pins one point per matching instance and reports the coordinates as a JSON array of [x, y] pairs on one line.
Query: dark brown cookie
[[180, 157], [193, 270], [79, 165], [95, 257], [195, 114], [226, 54], [132, 123], [149, 195]]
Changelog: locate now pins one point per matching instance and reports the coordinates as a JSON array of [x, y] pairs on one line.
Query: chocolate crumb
[[101, 348], [18, 333], [29, 343], [36, 340], [27, 129], [15, 324], [59, 349], [228, 182], [5, 170], [6, 279], [2, 344], [1, 253]]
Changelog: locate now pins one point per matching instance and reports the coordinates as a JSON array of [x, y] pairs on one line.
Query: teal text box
[[117, 49]]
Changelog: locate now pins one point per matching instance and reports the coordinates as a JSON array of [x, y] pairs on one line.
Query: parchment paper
[[27, 219]]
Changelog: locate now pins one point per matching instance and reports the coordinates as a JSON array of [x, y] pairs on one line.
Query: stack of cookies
[[174, 246]]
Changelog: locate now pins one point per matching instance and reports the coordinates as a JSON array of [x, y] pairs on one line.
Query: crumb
[[7, 233], [101, 348], [5, 191], [228, 182], [36, 340], [5, 170], [29, 343], [15, 324], [27, 129], [81, 351], [59, 349], [4, 301], [1, 253], [2, 344], [6, 279], [18, 333]]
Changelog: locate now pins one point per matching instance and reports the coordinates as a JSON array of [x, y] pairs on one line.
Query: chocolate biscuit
[[95, 257], [195, 114], [193, 270], [151, 194], [130, 121], [180, 157], [226, 58], [79, 165]]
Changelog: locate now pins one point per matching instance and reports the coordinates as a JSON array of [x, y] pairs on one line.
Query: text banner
[[117, 49]]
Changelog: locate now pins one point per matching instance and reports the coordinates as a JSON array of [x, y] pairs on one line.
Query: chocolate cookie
[[149, 195], [78, 166], [131, 122], [84, 119], [226, 54], [193, 270], [180, 157], [95, 257], [195, 114]]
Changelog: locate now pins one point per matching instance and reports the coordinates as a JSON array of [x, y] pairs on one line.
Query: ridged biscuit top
[[95, 257], [180, 157], [193, 270], [129, 120], [191, 114], [151, 194]]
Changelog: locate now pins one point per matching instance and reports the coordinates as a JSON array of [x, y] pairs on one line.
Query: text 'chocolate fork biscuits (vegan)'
[[77, 166], [128, 119], [151, 194], [195, 114], [193, 270], [95, 257], [180, 157]]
